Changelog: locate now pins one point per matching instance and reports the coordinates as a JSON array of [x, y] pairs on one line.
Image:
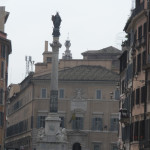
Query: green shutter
[[38, 122], [93, 123], [81, 125]]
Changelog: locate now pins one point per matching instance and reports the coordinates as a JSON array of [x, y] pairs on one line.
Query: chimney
[[46, 46]]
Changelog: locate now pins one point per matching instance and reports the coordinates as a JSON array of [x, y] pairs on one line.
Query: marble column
[[54, 75]]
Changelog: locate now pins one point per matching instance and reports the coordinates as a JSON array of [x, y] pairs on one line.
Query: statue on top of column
[[56, 22]]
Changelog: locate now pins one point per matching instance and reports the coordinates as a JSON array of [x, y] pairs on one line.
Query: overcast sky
[[91, 24]]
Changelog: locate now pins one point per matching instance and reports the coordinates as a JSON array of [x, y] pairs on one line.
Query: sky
[[90, 24]]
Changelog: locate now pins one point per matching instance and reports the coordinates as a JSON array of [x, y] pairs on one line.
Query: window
[[139, 63], [97, 124], [61, 93], [114, 124], [144, 58], [98, 94], [1, 119], [114, 147], [143, 94], [134, 66], [136, 131], [131, 132], [123, 86], [132, 99], [137, 96], [1, 96], [96, 146], [2, 69], [135, 36], [40, 121], [140, 33], [62, 123], [3, 50], [145, 30], [77, 123], [142, 129], [117, 94], [43, 93], [49, 59]]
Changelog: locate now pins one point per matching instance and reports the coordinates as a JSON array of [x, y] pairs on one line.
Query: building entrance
[[76, 146]]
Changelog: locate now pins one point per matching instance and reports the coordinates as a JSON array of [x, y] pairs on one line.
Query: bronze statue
[[56, 22]]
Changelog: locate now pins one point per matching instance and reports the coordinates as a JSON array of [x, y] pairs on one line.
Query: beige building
[[5, 50], [87, 103], [135, 79]]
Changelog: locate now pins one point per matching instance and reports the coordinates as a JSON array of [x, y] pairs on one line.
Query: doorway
[[76, 146]]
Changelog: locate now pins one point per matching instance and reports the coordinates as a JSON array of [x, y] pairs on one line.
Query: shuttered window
[[117, 94], [140, 33], [114, 147], [1, 96], [131, 132], [1, 119], [137, 96], [3, 49], [134, 66], [142, 130], [132, 99], [98, 94], [96, 146], [144, 58], [61, 93], [40, 121], [143, 94], [43, 93], [139, 63], [145, 29], [2, 69], [77, 123], [97, 124], [136, 131], [114, 122]]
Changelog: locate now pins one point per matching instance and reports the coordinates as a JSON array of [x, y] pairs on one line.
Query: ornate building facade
[[88, 102]]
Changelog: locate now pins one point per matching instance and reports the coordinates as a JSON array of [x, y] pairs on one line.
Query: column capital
[[56, 45]]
